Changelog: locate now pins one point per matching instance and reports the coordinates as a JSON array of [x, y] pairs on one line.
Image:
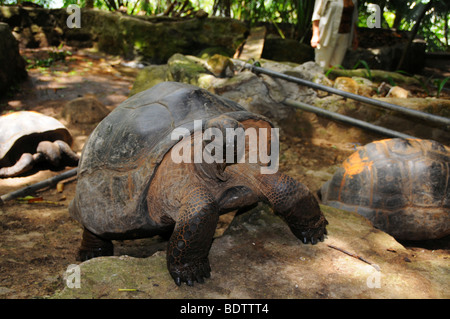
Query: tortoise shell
[[22, 131], [121, 155], [401, 185]]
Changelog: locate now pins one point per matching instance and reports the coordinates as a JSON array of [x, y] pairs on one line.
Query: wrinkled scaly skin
[[55, 154]]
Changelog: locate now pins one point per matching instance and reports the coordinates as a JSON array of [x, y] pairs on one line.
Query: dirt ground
[[39, 240]]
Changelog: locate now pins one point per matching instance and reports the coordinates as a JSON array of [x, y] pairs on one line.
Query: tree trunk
[[111, 5], [447, 43], [414, 33], [224, 7], [90, 4], [397, 20], [382, 6]]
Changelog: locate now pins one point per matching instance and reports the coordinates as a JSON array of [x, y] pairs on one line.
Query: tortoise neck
[[211, 171]]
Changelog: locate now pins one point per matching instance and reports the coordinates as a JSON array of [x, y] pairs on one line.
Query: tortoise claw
[[189, 273], [311, 234]]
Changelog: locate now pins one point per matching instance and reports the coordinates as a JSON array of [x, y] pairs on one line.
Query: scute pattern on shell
[[402, 186]]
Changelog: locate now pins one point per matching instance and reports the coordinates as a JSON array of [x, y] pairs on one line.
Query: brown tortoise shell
[[401, 185]]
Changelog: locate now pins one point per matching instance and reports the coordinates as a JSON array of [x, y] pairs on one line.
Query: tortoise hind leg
[[94, 246]]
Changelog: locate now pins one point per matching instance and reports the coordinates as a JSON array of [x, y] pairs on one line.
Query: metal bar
[[346, 119], [39, 185], [414, 113]]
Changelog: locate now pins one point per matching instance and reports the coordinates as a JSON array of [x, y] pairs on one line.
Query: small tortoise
[[129, 186], [401, 185], [30, 141]]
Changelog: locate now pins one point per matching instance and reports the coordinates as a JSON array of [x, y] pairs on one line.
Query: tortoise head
[[224, 135]]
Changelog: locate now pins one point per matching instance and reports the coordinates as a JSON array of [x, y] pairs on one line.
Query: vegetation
[[433, 25]]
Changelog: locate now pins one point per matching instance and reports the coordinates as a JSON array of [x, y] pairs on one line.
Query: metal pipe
[[39, 185], [414, 113], [346, 119]]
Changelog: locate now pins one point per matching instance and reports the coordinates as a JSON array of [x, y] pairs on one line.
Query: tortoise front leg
[[25, 163], [295, 203], [189, 245], [54, 151], [71, 157]]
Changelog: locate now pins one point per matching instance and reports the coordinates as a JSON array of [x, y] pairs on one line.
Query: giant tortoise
[[30, 141], [401, 185], [130, 187]]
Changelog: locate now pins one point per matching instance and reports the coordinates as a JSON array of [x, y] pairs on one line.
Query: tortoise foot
[[190, 272], [94, 246], [312, 233]]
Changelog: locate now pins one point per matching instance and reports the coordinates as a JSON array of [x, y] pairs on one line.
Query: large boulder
[[264, 95], [13, 66], [258, 93], [278, 49], [152, 39], [258, 257]]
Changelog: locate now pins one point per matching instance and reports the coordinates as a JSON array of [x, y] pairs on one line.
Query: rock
[[346, 84], [258, 93], [84, 110], [148, 77], [132, 37], [220, 66], [287, 50], [365, 86], [13, 66], [140, 36], [185, 69], [387, 57], [376, 76], [264, 95], [309, 71], [380, 117], [355, 85], [398, 92], [258, 257]]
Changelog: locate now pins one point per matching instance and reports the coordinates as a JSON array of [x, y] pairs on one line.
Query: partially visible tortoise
[[30, 141], [129, 186], [401, 185]]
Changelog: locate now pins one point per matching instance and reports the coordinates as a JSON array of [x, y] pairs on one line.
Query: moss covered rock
[[12, 70], [258, 257]]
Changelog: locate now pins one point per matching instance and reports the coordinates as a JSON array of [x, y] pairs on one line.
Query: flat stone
[[258, 257]]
